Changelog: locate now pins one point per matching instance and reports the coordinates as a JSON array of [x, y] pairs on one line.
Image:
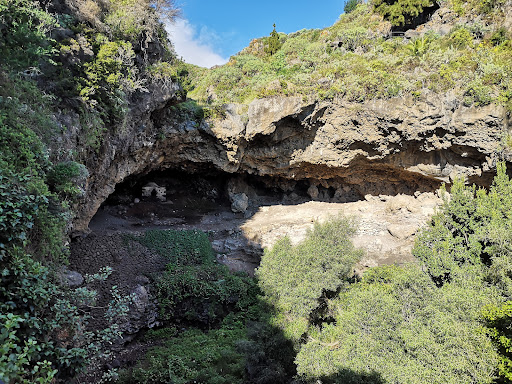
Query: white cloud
[[195, 48]]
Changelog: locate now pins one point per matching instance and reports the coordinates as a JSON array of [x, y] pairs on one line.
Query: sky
[[209, 32]]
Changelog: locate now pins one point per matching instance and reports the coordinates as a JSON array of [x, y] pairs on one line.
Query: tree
[[396, 323], [400, 12], [296, 279], [350, 5], [273, 44]]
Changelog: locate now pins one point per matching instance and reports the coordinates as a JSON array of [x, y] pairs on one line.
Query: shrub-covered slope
[[464, 49], [69, 72]]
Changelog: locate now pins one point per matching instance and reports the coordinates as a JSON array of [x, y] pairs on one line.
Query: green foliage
[[499, 37], [477, 94], [179, 247], [296, 278], [470, 232], [350, 5], [273, 43], [461, 38], [499, 318], [469, 241], [24, 28], [65, 178], [194, 287], [400, 12], [110, 77], [353, 38], [364, 67], [196, 290], [201, 293], [195, 356], [28, 320], [398, 324], [419, 46]]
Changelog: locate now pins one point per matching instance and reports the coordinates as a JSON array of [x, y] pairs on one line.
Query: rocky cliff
[[345, 150]]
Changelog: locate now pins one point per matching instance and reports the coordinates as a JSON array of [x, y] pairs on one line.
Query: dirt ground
[[386, 224]]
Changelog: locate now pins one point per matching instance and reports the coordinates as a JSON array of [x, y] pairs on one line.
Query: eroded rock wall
[[400, 145]]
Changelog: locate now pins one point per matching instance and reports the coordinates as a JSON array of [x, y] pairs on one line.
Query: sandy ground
[[386, 224]]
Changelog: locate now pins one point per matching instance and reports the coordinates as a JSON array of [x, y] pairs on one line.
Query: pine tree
[[273, 43]]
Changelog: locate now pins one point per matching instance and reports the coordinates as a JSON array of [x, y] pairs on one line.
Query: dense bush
[[350, 5], [194, 356], [396, 322], [365, 66], [273, 44], [400, 12], [198, 292], [24, 28], [296, 279], [43, 336]]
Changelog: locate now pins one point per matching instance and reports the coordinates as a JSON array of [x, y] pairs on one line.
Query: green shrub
[[350, 5], [195, 356], [397, 326], [469, 231], [24, 29], [353, 38], [65, 178], [201, 294], [400, 12], [477, 94], [297, 278], [499, 37], [179, 247], [195, 290], [194, 287], [461, 37], [273, 44], [499, 318]]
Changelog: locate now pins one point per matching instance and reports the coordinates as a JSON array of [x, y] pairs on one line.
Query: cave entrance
[[218, 203], [176, 197]]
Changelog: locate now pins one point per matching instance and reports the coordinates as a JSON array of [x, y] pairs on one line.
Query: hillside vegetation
[[356, 60], [82, 59], [70, 74]]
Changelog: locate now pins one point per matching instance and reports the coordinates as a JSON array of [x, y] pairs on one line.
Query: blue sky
[[209, 32]]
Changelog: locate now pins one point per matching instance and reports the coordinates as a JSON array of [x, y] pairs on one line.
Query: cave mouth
[[185, 197]]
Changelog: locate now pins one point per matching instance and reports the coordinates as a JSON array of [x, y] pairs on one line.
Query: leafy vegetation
[[350, 5], [400, 12], [357, 61], [43, 324], [297, 279], [306, 317], [195, 290], [273, 44]]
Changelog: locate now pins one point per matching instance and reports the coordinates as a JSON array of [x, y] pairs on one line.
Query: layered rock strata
[[400, 145]]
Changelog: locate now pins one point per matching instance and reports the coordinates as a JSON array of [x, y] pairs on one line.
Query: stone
[[313, 192], [381, 147], [239, 202], [402, 232], [72, 279], [140, 300], [142, 280]]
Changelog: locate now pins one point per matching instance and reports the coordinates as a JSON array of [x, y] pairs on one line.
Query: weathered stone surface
[[378, 147], [72, 279], [239, 202], [402, 232]]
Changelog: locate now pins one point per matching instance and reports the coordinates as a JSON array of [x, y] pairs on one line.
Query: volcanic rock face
[[401, 145]]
